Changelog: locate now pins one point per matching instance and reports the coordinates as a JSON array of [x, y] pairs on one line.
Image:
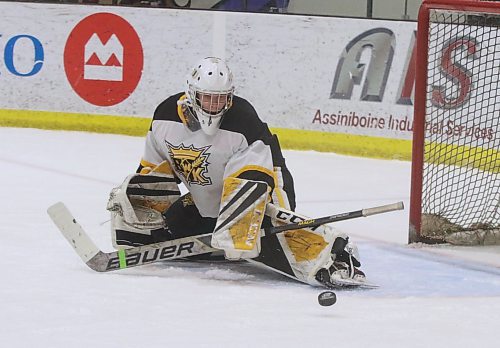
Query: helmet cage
[[210, 106]]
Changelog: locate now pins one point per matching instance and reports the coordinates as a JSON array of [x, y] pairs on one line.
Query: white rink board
[[285, 65]]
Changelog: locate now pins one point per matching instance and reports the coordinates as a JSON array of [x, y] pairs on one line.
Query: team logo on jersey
[[191, 163]]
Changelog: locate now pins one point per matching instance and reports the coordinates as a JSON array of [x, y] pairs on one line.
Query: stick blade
[[72, 231]]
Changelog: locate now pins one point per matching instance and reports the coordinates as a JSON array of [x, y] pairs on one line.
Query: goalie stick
[[179, 248], [109, 261], [335, 218]]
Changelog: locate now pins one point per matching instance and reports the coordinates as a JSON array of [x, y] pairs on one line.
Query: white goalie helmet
[[209, 92]]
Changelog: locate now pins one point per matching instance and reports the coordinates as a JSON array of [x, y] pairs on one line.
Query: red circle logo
[[103, 59]]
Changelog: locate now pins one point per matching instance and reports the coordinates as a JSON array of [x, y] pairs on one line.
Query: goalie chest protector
[[199, 160]]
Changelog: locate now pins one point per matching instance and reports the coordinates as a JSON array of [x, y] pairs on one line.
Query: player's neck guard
[[186, 114]]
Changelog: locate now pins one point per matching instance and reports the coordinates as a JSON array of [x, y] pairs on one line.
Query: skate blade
[[350, 284]]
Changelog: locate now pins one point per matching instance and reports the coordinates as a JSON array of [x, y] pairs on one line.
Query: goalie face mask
[[210, 108], [209, 93]]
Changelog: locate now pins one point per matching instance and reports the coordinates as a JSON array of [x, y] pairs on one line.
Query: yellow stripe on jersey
[[305, 245], [145, 163], [271, 181], [148, 167], [180, 112], [254, 168], [163, 168], [273, 174], [277, 190]]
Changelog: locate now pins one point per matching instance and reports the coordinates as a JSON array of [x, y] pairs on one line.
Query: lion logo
[[191, 163]]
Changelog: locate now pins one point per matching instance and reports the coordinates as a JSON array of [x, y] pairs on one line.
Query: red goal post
[[455, 185]]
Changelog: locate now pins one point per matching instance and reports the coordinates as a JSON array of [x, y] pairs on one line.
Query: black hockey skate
[[342, 271], [339, 275]]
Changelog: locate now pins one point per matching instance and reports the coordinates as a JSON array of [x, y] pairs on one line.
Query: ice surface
[[429, 296]]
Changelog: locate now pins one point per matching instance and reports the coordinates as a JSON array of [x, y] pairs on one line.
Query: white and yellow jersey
[[243, 147]]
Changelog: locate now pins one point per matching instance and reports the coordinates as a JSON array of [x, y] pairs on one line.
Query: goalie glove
[[242, 209], [141, 199]]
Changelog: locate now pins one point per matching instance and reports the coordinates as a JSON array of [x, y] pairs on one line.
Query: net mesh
[[461, 177]]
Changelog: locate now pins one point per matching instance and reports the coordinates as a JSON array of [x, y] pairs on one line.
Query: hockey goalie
[[214, 143]]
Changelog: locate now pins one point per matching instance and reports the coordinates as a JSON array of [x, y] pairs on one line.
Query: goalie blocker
[[147, 209]]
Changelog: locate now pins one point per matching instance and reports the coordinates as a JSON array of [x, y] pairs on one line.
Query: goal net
[[455, 191]]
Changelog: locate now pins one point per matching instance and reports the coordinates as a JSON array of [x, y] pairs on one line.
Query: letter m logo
[[103, 61]]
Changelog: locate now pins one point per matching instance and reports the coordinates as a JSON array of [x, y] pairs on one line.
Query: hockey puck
[[327, 298]]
